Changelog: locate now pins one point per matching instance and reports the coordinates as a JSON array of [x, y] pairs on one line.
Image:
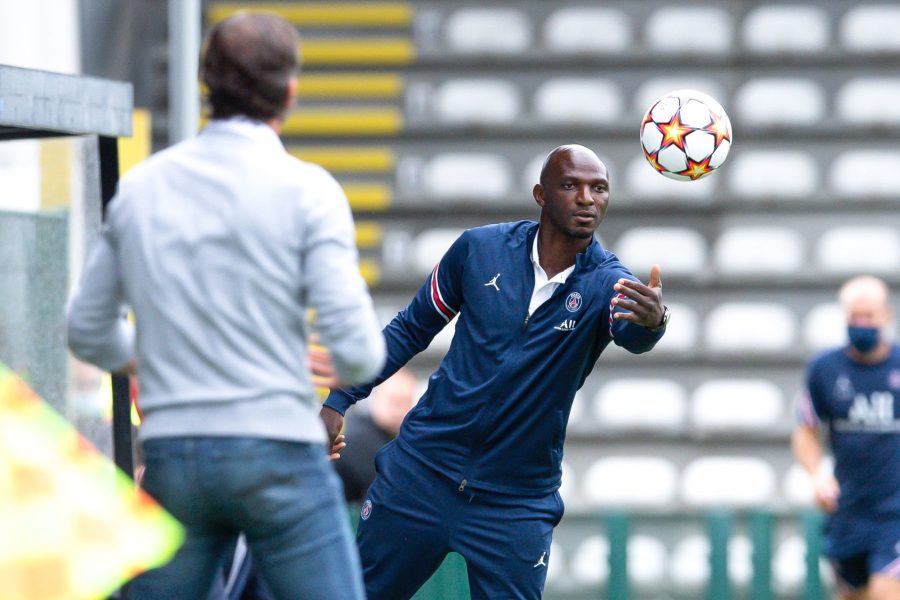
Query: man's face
[[867, 311], [575, 193]]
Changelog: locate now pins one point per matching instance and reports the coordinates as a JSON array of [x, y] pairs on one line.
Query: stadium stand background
[[435, 116]]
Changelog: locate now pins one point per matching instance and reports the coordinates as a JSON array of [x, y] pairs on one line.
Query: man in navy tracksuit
[[476, 466]]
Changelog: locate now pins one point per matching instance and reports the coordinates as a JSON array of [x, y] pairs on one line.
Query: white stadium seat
[[724, 405], [710, 30], [859, 248], [587, 30], [757, 174], [689, 563], [862, 173], [441, 342], [824, 326], [556, 567], [488, 31], [568, 487], [789, 565], [450, 176], [798, 485], [646, 482], [647, 562], [728, 481], [870, 101], [643, 404], [759, 250], [645, 183], [788, 102], [749, 328], [678, 250], [477, 101], [430, 245], [591, 563], [871, 28], [682, 331], [654, 89], [786, 29], [578, 101]]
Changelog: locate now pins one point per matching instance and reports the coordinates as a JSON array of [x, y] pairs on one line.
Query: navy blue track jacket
[[495, 412]]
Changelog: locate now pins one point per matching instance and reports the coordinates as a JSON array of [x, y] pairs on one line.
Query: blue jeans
[[284, 497]]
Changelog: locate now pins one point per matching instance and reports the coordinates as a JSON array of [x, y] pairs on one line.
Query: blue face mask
[[863, 339]]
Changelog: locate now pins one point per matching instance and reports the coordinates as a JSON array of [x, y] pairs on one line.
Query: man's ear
[[538, 192], [292, 89]]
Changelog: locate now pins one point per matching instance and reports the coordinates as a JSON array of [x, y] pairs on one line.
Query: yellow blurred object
[[357, 51], [342, 159], [350, 85], [74, 527], [368, 234], [323, 14], [343, 121], [368, 196], [136, 148]]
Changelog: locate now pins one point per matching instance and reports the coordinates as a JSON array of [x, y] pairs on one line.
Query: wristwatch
[[664, 321]]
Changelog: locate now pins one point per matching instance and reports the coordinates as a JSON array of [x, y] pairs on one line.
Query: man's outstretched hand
[[644, 303], [334, 423]]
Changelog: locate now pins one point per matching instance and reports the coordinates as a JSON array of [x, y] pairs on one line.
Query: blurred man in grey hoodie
[[219, 245]]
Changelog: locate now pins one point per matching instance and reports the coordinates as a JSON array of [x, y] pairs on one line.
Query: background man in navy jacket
[[476, 466]]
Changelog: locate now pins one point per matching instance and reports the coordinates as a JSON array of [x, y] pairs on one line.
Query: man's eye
[[568, 186], [600, 188]]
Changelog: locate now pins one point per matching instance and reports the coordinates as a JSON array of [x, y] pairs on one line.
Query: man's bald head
[[247, 64], [560, 153], [866, 301]]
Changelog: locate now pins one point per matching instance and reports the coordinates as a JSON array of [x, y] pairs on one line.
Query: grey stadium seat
[[578, 101], [678, 250], [871, 28], [478, 101], [587, 30], [862, 173], [759, 250], [859, 248], [734, 327], [641, 404], [757, 174], [780, 102], [779, 29], [488, 31], [870, 101], [450, 176], [710, 31]]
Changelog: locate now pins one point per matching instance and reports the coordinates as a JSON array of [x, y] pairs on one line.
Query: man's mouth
[[584, 218]]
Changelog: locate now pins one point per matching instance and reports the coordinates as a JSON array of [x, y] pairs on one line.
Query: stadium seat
[[678, 250], [644, 183], [654, 89], [587, 30], [731, 481], [689, 562], [578, 101], [429, 246], [749, 328], [859, 248], [710, 31], [864, 173], [725, 405], [682, 331], [789, 565], [781, 29], [441, 342], [798, 486], [633, 482], [477, 101], [451, 176], [824, 326], [759, 250], [642, 404], [647, 562], [790, 102], [758, 174], [869, 101], [556, 567], [590, 566], [488, 31], [871, 28], [568, 488]]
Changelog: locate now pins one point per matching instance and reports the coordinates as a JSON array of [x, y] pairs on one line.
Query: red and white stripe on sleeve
[[437, 298], [805, 412]]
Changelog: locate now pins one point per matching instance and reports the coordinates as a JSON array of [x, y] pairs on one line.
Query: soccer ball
[[686, 135]]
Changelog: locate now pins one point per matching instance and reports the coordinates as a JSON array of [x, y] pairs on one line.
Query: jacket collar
[[591, 257]]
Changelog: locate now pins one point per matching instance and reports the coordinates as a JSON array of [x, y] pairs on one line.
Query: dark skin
[[573, 195]]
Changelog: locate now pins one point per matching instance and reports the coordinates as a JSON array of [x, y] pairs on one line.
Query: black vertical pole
[[121, 392]]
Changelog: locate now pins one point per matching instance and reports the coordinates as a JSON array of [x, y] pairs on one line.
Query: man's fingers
[[655, 281]]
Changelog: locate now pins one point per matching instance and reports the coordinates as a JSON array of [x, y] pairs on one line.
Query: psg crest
[[573, 302], [366, 510]]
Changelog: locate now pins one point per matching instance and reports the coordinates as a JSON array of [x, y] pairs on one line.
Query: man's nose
[[584, 195]]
